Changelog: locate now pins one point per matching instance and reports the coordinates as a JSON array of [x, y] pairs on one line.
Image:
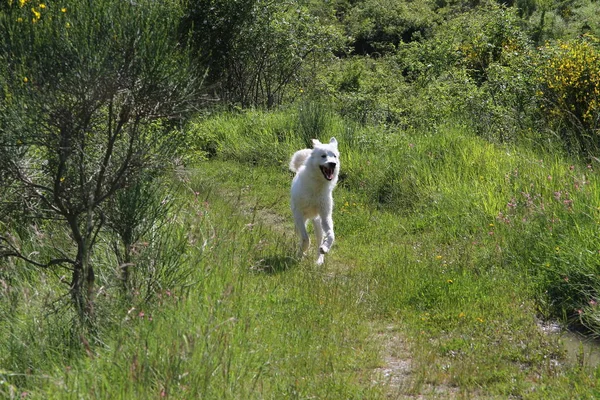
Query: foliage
[[82, 84], [378, 27], [257, 50], [463, 225], [569, 76]]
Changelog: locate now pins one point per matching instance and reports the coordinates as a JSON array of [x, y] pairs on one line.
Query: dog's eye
[[324, 156]]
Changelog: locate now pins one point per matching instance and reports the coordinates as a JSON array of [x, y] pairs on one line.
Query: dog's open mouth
[[328, 170]]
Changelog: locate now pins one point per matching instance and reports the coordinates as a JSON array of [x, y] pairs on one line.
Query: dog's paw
[[323, 249], [321, 259]]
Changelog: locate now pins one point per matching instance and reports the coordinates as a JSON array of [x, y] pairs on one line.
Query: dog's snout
[[331, 165]]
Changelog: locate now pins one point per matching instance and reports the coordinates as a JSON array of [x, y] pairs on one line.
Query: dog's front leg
[[318, 227], [327, 225], [301, 230]]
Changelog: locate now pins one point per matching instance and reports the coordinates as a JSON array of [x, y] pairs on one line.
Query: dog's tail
[[298, 159]]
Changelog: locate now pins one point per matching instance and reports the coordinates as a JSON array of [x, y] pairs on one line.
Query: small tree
[[82, 81]]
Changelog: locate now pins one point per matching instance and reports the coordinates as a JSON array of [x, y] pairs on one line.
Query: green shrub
[[83, 85], [378, 27], [256, 51]]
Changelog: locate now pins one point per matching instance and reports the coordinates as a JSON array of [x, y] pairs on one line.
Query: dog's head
[[327, 157]]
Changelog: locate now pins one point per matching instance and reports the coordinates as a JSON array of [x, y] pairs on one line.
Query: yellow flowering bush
[[569, 77]]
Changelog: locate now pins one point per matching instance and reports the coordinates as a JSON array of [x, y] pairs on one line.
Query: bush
[[569, 78], [256, 50], [378, 27], [83, 84]]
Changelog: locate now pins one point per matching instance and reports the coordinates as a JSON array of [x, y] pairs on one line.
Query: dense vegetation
[[144, 227]]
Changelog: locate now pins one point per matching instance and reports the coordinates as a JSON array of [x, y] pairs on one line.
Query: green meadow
[[451, 253], [147, 248]]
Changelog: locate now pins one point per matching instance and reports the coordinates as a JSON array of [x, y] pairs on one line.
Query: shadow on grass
[[274, 264]]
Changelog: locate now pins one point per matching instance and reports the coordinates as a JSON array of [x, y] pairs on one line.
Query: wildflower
[[36, 14], [549, 177], [42, 6], [22, 2], [63, 10], [461, 315], [568, 202], [438, 257], [450, 281], [25, 80], [19, 19], [479, 319]]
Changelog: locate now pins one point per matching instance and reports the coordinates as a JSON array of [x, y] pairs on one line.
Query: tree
[[82, 83]]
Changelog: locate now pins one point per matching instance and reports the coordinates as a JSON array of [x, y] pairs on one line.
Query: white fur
[[312, 194]]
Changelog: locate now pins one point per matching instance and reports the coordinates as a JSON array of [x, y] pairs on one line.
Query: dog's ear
[[333, 141], [315, 142]]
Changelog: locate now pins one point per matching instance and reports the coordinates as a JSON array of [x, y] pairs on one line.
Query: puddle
[[581, 350]]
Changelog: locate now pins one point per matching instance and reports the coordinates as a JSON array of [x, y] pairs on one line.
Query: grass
[[440, 264]]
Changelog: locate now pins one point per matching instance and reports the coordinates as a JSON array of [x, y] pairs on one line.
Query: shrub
[[378, 27], [82, 84], [257, 50], [569, 78]]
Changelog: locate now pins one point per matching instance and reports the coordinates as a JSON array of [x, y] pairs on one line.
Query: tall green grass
[[518, 203], [454, 235]]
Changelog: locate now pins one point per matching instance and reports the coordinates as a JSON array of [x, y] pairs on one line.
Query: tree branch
[[12, 251]]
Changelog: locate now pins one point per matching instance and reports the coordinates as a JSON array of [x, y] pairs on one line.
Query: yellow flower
[[36, 14], [42, 6], [25, 79], [22, 2], [461, 315], [68, 25], [19, 19], [438, 257], [64, 9]]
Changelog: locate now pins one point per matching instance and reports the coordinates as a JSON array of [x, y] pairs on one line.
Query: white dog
[[317, 172]]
